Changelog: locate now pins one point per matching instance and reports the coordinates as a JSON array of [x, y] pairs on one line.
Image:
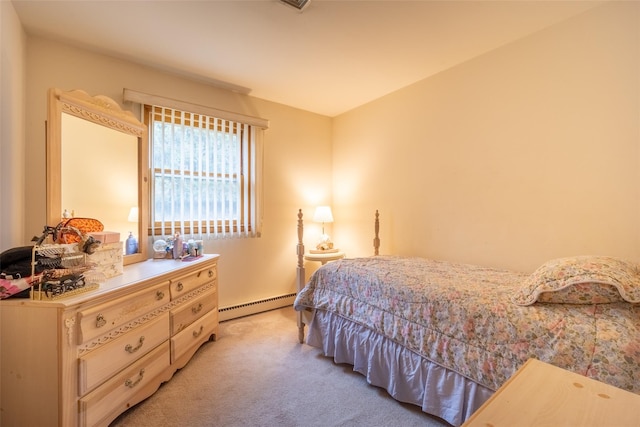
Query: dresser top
[[134, 277]]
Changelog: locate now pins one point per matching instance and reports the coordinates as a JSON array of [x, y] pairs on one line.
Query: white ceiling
[[332, 56]]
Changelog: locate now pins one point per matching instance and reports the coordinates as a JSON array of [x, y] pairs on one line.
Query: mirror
[[97, 165]]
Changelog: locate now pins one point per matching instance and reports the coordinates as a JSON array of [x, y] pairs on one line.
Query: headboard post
[[300, 273], [376, 239], [300, 245]]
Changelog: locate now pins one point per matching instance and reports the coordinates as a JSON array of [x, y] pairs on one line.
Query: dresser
[[85, 359]]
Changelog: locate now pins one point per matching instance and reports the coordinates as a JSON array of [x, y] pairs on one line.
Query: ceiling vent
[[298, 4]]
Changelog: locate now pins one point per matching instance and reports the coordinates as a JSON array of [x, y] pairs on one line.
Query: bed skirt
[[405, 375]]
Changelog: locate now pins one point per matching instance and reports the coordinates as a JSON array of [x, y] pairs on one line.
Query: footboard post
[[300, 273], [376, 239]]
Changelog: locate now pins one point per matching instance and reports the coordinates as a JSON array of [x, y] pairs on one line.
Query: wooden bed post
[[300, 273], [376, 239], [300, 270]]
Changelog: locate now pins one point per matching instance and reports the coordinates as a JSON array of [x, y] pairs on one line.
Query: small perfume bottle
[[131, 245], [177, 246]]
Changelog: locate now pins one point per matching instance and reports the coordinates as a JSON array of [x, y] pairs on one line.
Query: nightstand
[[324, 258], [543, 394]]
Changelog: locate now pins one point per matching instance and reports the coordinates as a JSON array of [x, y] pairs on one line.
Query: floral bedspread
[[461, 317]]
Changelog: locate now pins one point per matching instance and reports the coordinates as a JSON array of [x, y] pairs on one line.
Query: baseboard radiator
[[254, 307]]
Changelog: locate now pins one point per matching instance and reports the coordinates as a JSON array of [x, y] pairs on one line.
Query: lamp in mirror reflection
[[133, 214], [323, 214], [131, 245]]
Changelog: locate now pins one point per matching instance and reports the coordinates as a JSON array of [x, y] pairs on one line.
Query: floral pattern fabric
[[12, 287], [462, 318], [581, 280]]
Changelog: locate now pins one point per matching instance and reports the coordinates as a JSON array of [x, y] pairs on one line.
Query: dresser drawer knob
[[100, 321], [210, 273], [179, 286], [159, 295], [196, 310], [131, 349], [131, 384], [196, 334]]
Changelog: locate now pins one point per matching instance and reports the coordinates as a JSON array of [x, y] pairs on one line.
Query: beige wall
[[12, 128], [526, 153], [296, 164]]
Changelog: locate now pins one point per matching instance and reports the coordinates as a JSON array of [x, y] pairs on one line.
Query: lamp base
[[325, 251]]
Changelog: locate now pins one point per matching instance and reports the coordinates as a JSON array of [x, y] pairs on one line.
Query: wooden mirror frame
[[106, 112]]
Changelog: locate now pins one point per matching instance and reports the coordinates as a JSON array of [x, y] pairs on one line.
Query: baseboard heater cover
[[254, 307]]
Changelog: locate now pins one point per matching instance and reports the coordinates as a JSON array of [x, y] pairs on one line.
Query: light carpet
[[257, 374]]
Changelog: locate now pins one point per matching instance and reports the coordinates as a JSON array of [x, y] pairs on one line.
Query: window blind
[[205, 175]]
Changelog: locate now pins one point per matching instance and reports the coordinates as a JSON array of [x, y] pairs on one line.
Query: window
[[204, 172]]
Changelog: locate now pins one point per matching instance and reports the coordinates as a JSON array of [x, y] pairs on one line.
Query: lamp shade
[[323, 214], [133, 214]]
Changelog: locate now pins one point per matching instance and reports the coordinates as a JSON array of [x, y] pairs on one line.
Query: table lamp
[[323, 214]]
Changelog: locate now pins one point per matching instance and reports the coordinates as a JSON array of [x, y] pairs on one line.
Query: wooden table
[[539, 394], [323, 258]]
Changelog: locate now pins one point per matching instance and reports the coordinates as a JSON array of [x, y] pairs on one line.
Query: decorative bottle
[[177, 246], [131, 245]]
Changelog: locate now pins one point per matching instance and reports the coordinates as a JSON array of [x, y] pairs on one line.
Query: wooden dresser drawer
[[193, 335], [192, 310], [126, 389], [186, 284], [99, 320], [102, 363]]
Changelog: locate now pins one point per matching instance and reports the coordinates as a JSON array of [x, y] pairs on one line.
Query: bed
[[446, 336]]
